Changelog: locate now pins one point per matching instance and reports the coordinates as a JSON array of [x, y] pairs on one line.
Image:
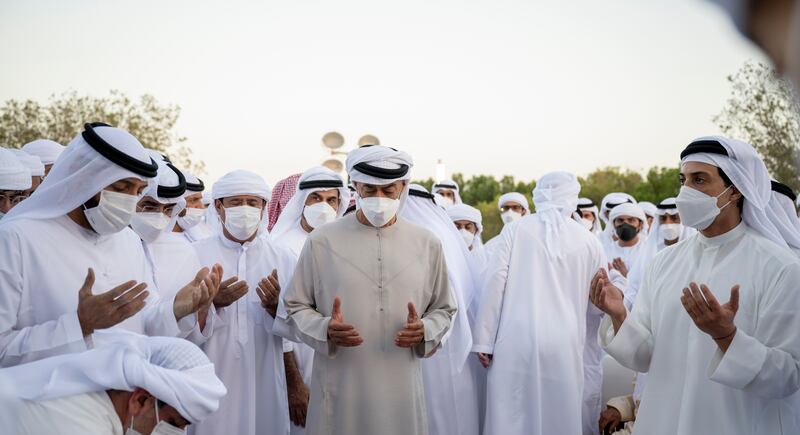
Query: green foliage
[[63, 116], [764, 111], [483, 191]]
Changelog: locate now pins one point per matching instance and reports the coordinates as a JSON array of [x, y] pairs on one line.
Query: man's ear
[[139, 402], [736, 195]]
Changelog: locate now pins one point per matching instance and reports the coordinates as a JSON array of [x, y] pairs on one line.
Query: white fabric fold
[[555, 198]]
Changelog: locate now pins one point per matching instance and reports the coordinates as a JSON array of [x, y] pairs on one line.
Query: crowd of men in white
[[135, 301]]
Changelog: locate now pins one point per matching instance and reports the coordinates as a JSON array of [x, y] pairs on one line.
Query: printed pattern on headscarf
[[281, 194]]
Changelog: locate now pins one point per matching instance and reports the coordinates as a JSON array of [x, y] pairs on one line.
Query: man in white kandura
[[539, 278], [15, 179], [321, 197], [630, 228], [469, 223], [370, 295], [69, 264], [588, 215], [452, 383], [447, 193], [191, 221], [248, 357], [512, 205], [608, 203], [47, 150], [714, 367], [133, 385]]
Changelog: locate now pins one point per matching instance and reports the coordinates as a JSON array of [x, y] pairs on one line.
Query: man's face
[[706, 179], [142, 412], [10, 198], [150, 205], [128, 186], [466, 225], [447, 193], [587, 214], [669, 219], [513, 206], [330, 197], [194, 200], [391, 191], [238, 201], [630, 220]]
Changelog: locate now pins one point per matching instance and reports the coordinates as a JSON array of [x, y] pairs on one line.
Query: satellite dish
[[368, 139], [334, 165], [332, 140]]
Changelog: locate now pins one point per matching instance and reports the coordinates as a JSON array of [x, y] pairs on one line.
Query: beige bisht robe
[[375, 388]]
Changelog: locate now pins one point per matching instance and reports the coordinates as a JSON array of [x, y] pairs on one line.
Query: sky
[[516, 87]]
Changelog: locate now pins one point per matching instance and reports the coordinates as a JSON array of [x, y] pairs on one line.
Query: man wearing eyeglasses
[[15, 179]]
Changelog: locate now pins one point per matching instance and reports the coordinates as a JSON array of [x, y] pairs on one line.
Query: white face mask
[[149, 225], [509, 216], [162, 427], [588, 223], [319, 214], [698, 210], [113, 213], [242, 222], [467, 236], [670, 231], [193, 217], [378, 211]]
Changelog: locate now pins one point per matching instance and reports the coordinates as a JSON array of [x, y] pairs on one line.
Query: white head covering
[[313, 180], [612, 200], [82, 172], [588, 204], [379, 165], [648, 208], [464, 212], [193, 184], [515, 197], [234, 183], [632, 210], [207, 197], [450, 185], [32, 162], [783, 215], [173, 370], [46, 149], [170, 185], [655, 242], [555, 198], [464, 277], [13, 174], [740, 162]]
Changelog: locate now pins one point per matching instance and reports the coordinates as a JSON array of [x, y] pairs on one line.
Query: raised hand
[[197, 294], [620, 266], [610, 420], [608, 298], [268, 291], [414, 331], [230, 291], [110, 308], [710, 317], [340, 333]]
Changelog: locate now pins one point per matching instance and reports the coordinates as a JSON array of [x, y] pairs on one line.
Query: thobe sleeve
[[441, 309], [301, 304], [484, 331], [20, 345], [632, 346], [765, 362], [159, 317]]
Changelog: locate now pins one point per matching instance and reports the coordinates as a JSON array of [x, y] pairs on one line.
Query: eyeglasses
[[167, 210], [14, 198]]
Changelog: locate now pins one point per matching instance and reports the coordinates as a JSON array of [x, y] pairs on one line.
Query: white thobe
[[293, 241], [198, 232], [43, 264], [692, 387], [374, 388], [532, 319], [84, 414], [174, 262], [247, 356]]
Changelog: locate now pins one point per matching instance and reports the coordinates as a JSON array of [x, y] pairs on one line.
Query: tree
[[603, 181], [659, 183], [63, 116], [764, 111]]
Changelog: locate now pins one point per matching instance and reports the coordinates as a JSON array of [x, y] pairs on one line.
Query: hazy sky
[[491, 86]]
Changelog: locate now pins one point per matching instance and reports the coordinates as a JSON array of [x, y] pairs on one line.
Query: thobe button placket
[[241, 304]]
